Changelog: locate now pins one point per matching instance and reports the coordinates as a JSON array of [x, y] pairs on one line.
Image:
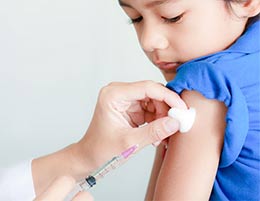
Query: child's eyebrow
[[148, 5]]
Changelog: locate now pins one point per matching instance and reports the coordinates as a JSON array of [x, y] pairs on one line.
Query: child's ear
[[249, 8]]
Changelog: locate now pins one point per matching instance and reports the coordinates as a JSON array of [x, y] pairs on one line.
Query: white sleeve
[[16, 183]]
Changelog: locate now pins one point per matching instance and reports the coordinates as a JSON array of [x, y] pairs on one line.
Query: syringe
[[106, 168]]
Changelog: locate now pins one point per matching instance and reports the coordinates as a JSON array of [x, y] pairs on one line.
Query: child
[[209, 52]]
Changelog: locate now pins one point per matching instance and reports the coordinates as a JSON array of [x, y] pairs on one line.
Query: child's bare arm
[[191, 160], [159, 156]]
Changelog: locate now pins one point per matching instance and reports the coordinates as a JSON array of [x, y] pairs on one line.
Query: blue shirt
[[233, 77]]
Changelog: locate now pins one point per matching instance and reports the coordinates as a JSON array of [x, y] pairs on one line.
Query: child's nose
[[152, 38]]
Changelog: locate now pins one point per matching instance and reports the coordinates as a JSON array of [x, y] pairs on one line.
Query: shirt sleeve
[[212, 83], [16, 183]]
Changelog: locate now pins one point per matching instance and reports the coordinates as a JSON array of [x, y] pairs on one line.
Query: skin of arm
[[189, 167], [159, 156], [46, 168]]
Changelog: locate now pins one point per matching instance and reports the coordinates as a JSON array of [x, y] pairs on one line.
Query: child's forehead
[[152, 3], [171, 4], [145, 3]]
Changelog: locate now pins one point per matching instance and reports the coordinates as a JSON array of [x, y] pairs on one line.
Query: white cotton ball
[[186, 117]]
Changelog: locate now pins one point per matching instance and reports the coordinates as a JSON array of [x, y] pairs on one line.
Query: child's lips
[[168, 66]]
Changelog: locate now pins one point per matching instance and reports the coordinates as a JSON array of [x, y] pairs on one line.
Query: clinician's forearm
[[64, 162]]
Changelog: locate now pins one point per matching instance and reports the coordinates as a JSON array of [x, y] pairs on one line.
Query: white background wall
[[55, 55]]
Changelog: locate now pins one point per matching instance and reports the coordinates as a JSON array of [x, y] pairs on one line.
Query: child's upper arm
[[191, 160]]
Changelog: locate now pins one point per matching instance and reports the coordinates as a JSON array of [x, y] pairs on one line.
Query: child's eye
[[174, 19], [136, 20]]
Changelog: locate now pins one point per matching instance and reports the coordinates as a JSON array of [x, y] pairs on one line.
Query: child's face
[[172, 32]]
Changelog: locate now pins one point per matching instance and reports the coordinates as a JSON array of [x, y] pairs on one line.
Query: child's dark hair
[[252, 19]]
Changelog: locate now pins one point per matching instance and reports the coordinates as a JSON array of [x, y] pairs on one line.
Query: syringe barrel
[[100, 173], [106, 168]]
